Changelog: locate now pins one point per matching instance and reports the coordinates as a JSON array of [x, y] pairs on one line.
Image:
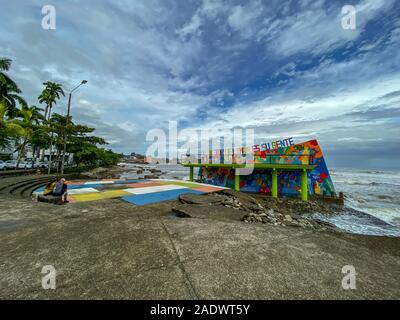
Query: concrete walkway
[[111, 249]]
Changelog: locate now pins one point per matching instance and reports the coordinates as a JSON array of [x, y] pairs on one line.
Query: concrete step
[[22, 188], [13, 188], [27, 190]]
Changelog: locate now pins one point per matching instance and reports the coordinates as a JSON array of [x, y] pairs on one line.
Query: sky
[[283, 68]]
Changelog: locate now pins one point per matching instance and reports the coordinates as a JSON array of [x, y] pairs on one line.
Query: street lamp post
[[66, 125]]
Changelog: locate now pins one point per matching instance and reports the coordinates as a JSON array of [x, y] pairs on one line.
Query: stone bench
[[50, 199]]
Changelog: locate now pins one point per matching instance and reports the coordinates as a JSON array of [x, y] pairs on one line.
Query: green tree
[[8, 129], [9, 90], [81, 143], [92, 155], [50, 94], [40, 139], [28, 119], [79, 139]]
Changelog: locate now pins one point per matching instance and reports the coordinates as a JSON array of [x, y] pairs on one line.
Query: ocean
[[374, 194]]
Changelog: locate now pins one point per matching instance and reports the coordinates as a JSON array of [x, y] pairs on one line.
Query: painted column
[[237, 179], [304, 185], [274, 183], [191, 173]]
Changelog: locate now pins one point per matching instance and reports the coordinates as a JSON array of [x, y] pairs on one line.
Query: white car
[[11, 164], [2, 165], [42, 165], [31, 165], [22, 165]]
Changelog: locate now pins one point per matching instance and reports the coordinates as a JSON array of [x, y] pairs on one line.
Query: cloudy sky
[[284, 68]]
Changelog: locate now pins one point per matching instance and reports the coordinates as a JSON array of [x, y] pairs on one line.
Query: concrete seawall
[[111, 249]]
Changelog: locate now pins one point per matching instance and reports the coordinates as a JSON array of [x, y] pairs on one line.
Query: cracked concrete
[[189, 285], [113, 250]]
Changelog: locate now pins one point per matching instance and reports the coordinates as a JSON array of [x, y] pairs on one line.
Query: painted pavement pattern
[[138, 192]]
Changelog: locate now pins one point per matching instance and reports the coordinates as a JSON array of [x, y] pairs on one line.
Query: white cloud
[[210, 63], [243, 18], [317, 30]]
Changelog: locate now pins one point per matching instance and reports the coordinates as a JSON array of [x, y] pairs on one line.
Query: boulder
[[201, 211], [295, 216], [50, 199], [150, 177], [204, 199], [288, 218], [325, 224]]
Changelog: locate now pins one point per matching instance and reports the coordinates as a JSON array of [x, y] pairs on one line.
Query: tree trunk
[[58, 160], [20, 153], [33, 155], [41, 154], [50, 106], [45, 112], [50, 157], [49, 113]]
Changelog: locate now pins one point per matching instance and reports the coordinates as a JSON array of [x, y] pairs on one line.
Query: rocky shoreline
[[249, 208], [104, 172], [229, 204], [115, 172], [255, 209]]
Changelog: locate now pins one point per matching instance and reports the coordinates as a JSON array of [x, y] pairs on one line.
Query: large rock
[[204, 199], [325, 223], [50, 199], [201, 211]]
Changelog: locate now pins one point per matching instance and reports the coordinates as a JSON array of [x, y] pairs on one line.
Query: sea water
[[375, 194]]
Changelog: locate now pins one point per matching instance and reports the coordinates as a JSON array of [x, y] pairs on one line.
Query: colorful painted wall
[[289, 182]]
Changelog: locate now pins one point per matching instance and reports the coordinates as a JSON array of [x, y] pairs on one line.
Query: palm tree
[[28, 119], [45, 97], [50, 94], [9, 90], [7, 127]]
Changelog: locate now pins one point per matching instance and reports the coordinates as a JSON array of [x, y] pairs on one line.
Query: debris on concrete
[[253, 209]]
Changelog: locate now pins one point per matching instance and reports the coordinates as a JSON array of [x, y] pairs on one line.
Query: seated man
[[60, 189]]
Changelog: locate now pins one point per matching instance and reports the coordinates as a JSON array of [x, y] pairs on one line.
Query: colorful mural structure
[[288, 170]]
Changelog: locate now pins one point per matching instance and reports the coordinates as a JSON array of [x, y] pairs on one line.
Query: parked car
[[42, 165], [31, 165], [11, 164], [2, 165], [22, 165]]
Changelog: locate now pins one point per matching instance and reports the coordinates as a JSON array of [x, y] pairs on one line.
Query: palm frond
[[9, 84], [5, 64], [20, 100]]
